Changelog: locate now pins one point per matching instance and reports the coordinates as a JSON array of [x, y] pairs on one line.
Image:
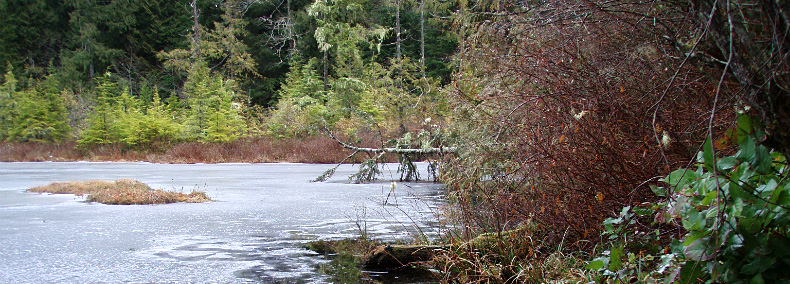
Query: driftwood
[[399, 256]]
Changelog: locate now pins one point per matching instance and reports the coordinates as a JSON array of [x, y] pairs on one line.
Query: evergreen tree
[[8, 104], [156, 126], [40, 115], [213, 115], [102, 123], [31, 33]]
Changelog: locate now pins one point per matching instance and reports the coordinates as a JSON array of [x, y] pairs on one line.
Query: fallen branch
[[437, 150]]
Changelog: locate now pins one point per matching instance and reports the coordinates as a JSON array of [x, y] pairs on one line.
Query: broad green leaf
[[707, 154], [757, 279], [758, 265], [709, 197], [747, 150], [659, 191], [679, 177], [735, 242], [694, 220], [763, 161], [641, 211], [691, 272], [712, 212], [766, 190], [727, 163], [700, 250], [690, 238], [745, 127], [624, 212], [615, 258], [598, 263], [783, 198]]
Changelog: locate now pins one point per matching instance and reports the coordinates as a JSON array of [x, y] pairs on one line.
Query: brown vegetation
[[313, 149], [572, 113], [121, 192]]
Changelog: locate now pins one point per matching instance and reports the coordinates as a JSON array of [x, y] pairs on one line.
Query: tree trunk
[[437, 150], [422, 38], [290, 32], [397, 256], [196, 28], [326, 71], [397, 31]]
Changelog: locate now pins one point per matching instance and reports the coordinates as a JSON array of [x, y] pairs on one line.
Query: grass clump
[[121, 192]]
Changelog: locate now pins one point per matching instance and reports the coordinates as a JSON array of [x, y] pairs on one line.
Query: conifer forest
[[580, 141]]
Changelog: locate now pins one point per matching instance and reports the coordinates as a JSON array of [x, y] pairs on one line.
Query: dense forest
[[606, 141], [139, 72]]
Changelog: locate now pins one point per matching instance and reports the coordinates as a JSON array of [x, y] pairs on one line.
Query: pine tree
[[40, 115], [213, 115], [8, 102], [102, 123], [157, 125]]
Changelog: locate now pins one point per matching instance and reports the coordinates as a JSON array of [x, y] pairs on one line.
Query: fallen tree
[[407, 155]]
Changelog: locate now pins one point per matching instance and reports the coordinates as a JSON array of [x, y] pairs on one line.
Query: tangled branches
[[570, 113]]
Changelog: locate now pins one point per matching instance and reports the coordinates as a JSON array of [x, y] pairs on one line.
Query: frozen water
[[253, 233]]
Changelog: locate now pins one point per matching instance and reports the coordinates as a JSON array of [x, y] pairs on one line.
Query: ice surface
[[253, 233]]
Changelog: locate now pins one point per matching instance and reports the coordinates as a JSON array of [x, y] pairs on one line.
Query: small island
[[121, 192]]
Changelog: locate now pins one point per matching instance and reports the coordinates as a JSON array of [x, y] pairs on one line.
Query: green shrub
[[734, 212]]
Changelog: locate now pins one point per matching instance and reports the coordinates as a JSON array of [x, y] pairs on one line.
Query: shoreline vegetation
[[121, 192], [317, 149]]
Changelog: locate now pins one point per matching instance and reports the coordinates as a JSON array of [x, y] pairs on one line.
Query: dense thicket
[[569, 111], [575, 109]]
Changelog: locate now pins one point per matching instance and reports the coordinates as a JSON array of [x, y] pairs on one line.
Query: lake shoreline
[[309, 150]]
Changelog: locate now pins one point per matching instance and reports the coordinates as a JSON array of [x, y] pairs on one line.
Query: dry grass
[[122, 192], [314, 149], [39, 152]]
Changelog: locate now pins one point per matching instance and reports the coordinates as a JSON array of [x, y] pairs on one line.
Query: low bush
[[733, 212]]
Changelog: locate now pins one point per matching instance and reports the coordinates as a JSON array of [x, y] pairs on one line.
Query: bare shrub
[[571, 109]]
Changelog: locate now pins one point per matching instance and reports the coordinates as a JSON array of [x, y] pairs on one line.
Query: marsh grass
[[312, 149], [120, 192], [502, 267], [526, 254]]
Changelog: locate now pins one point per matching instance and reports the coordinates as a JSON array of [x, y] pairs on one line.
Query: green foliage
[[155, 126], [302, 106], [37, 114], [368, 171], [734, 211], [633, 254], [8, 95], [213, 115], [103, 126], [119, 118]]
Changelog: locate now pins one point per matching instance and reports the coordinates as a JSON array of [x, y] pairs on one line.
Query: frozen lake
[[253, 233]]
